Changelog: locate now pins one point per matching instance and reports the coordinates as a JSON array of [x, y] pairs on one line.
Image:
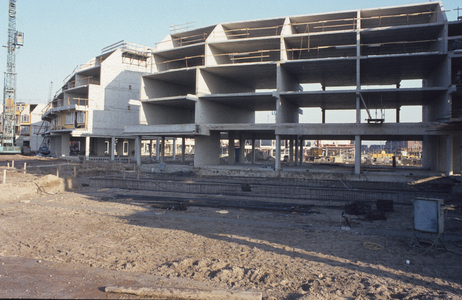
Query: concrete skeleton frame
[[208, 83]]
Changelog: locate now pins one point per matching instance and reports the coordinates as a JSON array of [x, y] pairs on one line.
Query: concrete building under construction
[[88, 113], [208, 83]]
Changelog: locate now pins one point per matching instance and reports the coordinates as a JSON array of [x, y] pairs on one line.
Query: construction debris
[[357, 208]]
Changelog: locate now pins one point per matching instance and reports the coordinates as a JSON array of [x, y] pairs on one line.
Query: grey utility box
[[429, 215]]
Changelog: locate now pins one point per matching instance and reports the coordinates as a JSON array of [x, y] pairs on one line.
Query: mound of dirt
[[50, 183], [35, 186]]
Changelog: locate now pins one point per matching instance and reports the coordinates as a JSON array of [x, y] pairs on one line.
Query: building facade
[[208, 83], [29, 121], [88, 114]]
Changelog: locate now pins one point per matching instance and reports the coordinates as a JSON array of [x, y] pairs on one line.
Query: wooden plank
[[177, 293]]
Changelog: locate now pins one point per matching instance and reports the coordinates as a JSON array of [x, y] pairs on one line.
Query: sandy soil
[[284, 256]]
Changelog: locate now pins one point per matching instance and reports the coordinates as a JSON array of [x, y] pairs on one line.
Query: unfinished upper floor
[[227, 72], [367, 33], [96, 94]]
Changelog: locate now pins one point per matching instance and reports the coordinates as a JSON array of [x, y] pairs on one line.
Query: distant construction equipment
[[15, 40]]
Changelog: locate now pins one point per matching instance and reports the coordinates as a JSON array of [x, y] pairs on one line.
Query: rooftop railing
[[127, 47]]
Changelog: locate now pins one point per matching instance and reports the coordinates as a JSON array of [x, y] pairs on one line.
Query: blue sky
[[61, 34]]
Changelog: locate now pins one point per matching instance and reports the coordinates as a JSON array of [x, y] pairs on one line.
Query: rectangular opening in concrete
[[268, 116], [321, 46], [193, 56], [394, 16], [342, 21], [168, 84], [253, 51], [182, 37]]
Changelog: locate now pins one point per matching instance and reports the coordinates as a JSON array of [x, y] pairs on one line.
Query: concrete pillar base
[[207, 151], [87, 147]]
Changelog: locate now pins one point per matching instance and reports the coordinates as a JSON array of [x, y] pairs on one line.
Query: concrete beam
[[167, 130], [241, 127], [350, 130]]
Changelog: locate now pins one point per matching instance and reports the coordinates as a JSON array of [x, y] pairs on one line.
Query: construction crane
[[15, 40]]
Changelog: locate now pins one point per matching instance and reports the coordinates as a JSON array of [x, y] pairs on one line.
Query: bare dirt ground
[[58, 243]]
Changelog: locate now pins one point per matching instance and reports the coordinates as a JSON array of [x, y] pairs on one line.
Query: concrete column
[[357, 154], [65, 141], [157, 149], [460, 152], [277, 161], [87, 147], [174, 149], [253, 150], [241, 149], [231, 158], [449, 156], [323, 116], [358, 67], [150, 148], [183, 150], [296, 151], [138, 150], [301, 151], [207, 151], [291, 151], [112, 148], [397, 114], [162, 149]]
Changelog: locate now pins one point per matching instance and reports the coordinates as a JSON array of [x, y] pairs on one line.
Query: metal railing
[[81, 82], [127, 47]]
